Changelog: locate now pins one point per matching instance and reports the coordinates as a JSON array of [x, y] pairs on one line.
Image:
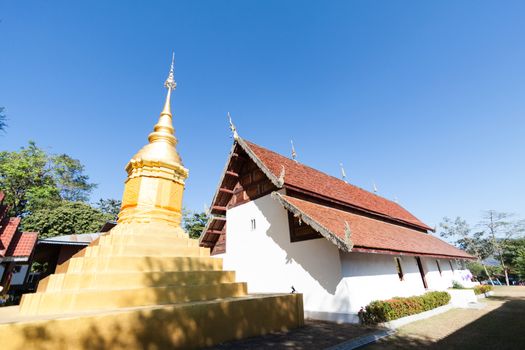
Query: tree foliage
[[109, 206], [495, 236], [32, 180], [66, 218], [500, 228], [194, 222], [461, 233], [69, 177], [519, 262]]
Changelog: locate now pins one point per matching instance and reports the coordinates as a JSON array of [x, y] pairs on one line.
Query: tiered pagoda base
[[143, 286]]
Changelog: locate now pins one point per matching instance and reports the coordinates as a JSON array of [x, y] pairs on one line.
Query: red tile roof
[[316, 182], [368, 233], [7, 232], [22, 244]]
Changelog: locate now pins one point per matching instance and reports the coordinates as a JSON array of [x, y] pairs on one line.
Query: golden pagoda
[[145, 284]]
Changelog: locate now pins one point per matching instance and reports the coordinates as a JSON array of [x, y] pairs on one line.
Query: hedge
[[387, 310], [482, 289]]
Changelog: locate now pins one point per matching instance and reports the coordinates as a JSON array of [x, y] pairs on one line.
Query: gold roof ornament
[[294, 154], [343, 172], [232, 127]]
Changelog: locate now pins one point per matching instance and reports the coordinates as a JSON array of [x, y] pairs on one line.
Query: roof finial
[[233, 128], [396, 200], [170, 83], [343, 172], [294, 154], [375, 187]]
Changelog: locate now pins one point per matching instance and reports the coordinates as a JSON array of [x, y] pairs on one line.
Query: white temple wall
[[269, 262], [372, 277], [335, 284]]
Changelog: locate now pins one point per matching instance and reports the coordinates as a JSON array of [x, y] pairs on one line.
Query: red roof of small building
[[22, 244], [300, 176], [367, 234], [13, 243], [7, 232]]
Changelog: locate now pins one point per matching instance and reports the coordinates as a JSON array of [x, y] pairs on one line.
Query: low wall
[[462, 297]]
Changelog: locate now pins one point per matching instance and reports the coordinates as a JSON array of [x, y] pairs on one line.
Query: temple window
[[399, 268]]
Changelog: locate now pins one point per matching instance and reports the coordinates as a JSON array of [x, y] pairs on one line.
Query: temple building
[[284, 226], [145, 284]]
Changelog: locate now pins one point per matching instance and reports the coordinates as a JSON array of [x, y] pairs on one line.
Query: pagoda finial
[[233, 128], [170, 83], [294, 154], [343, 172]]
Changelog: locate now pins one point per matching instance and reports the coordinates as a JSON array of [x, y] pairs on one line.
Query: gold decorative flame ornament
[[156, 175]]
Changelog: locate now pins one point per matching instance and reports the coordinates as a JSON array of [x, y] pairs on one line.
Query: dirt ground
[[499, 325]]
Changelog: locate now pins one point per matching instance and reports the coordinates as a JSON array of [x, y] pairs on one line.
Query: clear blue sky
[[426, 99]]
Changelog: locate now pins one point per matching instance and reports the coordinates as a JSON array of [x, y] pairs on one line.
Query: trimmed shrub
[[482, 289], [387, 310], [457, 285]]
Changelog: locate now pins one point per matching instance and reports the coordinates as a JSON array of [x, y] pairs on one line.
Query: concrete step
[[121, 280], [180, 326], [145, 250], [139, 264], [68, 301]]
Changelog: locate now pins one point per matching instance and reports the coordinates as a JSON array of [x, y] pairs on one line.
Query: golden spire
[[162, 140], [156, 176]]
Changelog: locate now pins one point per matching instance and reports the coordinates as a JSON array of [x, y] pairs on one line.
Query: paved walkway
[[314, 335], [500, 325]]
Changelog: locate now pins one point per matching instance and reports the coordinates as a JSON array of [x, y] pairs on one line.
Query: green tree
[[473, 243], [500, 228], [25, 174], [32, 179], [512, 247], [66, 218], [3, 118], [70, 179], [109, 206], [519, 262], [194, 222]]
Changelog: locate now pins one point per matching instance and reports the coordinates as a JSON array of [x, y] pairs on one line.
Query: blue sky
[[424, 98]]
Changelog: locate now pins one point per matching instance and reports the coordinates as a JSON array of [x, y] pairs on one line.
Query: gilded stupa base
[[144, 284]]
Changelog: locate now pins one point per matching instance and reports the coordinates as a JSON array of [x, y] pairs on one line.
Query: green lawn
[[500, 325]]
